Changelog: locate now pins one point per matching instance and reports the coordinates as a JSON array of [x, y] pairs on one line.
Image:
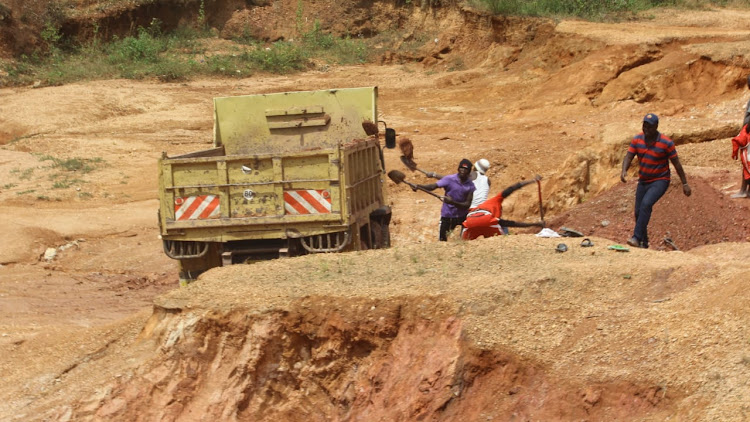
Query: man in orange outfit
[[485, 221], [739, 148]]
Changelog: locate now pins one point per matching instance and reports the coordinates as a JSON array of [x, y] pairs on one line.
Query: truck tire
[[380, 233]]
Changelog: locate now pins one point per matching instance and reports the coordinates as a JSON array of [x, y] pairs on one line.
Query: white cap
[[482, 166]]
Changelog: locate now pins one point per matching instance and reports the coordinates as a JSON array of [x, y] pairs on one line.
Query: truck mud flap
[[330, 242], [178, 249]]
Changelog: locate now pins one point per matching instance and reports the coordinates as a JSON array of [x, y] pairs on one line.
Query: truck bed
[[208, 196]]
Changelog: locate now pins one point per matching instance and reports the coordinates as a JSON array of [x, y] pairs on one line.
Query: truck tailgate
[[258, 189]]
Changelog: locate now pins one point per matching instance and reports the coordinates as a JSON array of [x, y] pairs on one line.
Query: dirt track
[[562, 103]]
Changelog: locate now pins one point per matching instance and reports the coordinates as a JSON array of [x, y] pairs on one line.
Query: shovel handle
[[411, 165], [440, 197], [541, 207], [417, 187]]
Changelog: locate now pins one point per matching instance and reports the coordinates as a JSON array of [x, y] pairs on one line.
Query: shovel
[[399, 177], [411, 165]]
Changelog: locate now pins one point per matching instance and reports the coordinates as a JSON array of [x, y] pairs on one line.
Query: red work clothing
[[739, 148], [482, 220]]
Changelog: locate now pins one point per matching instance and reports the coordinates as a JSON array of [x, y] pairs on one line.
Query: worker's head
[[464, 169], [650, 124], [482, 166]]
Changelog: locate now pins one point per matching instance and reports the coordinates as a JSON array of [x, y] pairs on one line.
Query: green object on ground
[[619, 248]]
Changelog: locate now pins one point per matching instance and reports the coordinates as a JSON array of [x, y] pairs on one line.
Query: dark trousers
[[447, 224], [646, 195]]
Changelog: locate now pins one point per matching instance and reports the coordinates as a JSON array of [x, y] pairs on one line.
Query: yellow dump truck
[[289, 173]]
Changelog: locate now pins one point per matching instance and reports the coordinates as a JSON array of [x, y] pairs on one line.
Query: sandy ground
[[563, 104]]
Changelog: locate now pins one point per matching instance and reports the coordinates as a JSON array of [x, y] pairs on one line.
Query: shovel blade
[[396, 176], [409, 163]]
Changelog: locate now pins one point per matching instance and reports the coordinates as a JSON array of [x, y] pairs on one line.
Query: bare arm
[[626, 165], [435, 175], [511, 223], [510, 189], [680, 172], [466, 204]]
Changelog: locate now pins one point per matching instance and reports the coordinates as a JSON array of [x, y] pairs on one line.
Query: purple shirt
[[457, 190]]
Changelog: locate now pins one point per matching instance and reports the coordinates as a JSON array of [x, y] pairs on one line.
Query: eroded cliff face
[[22, 21], [416, 333], [329, 359]]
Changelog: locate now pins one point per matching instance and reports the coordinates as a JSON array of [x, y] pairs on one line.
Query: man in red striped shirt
[[654, 151]]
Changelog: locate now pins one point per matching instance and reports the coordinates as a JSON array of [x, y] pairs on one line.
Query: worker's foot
[[739, 195], [633, 241]]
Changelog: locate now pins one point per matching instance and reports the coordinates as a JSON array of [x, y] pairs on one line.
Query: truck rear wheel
[[191, 268], [380, 234]]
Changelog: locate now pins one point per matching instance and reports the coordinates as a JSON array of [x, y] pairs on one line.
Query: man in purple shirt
[[459, 191]]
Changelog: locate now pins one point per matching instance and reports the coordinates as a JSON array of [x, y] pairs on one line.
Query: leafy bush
[[280, 57], [316, 39], [317, 43], [350, 51], [171, 69], [227, 65], [143, 48]]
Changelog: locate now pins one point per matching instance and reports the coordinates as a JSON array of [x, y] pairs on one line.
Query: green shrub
[[171, 68], [51, 35], [143, 48], [316, 43], [280, 57], [221, 64], [316, 39], [351, 51]]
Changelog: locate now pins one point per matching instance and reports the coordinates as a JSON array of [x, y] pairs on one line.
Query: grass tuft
[[83, 165]]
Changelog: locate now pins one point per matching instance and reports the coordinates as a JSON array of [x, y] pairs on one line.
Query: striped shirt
[[653, 159]]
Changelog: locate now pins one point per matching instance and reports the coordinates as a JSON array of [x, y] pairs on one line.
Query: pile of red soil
[[708, 216]]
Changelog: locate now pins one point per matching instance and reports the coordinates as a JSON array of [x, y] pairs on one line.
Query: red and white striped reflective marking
[[307, 201], [199, 207]]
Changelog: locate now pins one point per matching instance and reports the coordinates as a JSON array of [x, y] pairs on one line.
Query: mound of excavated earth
[[496, 329]]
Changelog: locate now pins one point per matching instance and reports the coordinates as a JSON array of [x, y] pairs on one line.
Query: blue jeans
[[646, 195]]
